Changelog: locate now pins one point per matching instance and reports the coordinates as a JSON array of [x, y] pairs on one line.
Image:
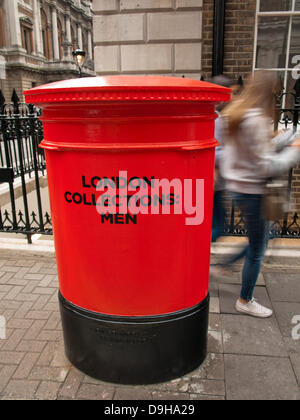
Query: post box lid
[[127, 88]]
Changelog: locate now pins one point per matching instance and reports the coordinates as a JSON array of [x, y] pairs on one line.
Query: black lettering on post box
[[131, 218], [95, 180], [84, 183], [85, 202], [77, 198], [66, 196], [107, 217], [119, 219]]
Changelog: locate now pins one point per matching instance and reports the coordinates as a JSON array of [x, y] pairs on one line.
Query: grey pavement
[[248, 358]]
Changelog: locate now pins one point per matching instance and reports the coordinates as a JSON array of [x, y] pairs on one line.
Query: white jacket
[[219, 154], [251, 158]]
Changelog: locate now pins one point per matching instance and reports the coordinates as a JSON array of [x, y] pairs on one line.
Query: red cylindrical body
[[130, 130]]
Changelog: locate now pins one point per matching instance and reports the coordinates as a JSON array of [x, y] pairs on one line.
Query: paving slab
[[215, 342], [248, 335], [206, 397], [292, 346], [208, 387], [235, 277], [211, 368], [286, 314], [135, 393], [259, 378], [231, 277], [214, 323], [213, 288], [283, 287], [214, 305], [295, 360], [95, 392], [169, 396]]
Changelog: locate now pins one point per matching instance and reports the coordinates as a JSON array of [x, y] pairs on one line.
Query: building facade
[[37, 38], [197, 38]]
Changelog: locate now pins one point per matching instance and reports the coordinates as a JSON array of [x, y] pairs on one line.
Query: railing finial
[[241, 81], [15, 100]]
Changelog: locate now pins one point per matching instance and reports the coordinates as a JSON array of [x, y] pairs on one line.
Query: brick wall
[[207, 47], [296, 191], [148, 37], [239, 37]]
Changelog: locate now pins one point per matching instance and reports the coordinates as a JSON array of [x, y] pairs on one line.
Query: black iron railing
[[20, 159], [16, 144]]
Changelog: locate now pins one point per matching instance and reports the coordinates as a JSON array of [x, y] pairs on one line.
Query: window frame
[[61, 38], [46, 38], [26, 28], [290, 14]]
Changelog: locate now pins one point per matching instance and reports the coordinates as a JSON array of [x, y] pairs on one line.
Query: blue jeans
[[258, 235], [218, 227], [218, 224]]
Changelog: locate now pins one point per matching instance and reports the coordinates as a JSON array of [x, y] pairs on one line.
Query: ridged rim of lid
[[127, 88]]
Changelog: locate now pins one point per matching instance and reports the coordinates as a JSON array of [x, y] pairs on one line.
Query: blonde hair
[[259, 92]]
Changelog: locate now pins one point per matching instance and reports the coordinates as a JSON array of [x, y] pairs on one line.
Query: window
[[278, 39], [74, 39], [275, 5], [27, 34], [60, 38], [45, 36], [84, 41], [26, 39]]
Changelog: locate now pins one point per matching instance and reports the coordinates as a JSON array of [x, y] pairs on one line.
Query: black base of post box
[[135, 350]]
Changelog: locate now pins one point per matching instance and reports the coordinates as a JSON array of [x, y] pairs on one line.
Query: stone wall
[[148, 37]]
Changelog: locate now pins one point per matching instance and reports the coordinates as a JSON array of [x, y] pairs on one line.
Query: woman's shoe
[[253, 308]]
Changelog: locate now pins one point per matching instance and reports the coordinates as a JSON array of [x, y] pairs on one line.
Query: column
[[90, 45], [68, 29], [2, 68], [79, 35], [37, 27], [68, 38], [55, 34], [14, 23]]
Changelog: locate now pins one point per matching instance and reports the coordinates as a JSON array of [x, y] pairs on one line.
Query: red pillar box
[[130, 164]]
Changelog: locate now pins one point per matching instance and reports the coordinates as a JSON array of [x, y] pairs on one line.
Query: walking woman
[[250, 159]]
